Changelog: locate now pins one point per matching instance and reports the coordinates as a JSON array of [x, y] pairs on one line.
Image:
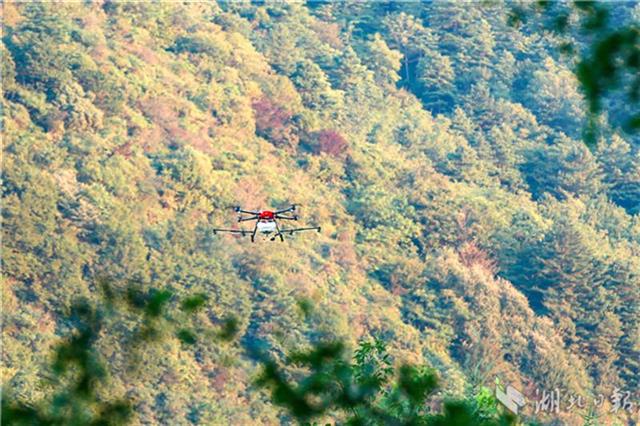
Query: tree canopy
[[465, 223]]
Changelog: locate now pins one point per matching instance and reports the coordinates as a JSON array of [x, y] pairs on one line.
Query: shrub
[[330, 142], [274, 123]]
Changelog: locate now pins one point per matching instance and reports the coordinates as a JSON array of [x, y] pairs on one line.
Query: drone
[[266, 223]]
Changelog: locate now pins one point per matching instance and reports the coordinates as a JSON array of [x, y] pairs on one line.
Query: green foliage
[[621, 173], [79, 375], [561, 169], [365, 392], [194, 303], [229, 329], [334, 383], [607, 58], [78, 401]]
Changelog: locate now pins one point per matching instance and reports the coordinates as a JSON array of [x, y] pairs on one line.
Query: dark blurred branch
[[78, 370], [606, 64]]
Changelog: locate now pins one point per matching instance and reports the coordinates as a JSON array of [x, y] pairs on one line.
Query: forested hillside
[[464, 221]]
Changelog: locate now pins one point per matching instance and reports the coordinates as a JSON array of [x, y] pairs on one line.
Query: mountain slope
[[463, 222]]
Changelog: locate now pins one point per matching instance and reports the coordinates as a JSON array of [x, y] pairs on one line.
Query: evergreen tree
[[384, 61], [561, 168], [554, 98], [621, 168], [411, 38]]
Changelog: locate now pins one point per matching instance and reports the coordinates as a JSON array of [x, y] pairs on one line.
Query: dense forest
[[466, 226]]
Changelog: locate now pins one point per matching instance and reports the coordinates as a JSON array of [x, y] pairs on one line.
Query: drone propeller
[[242, 211], [292, 208]]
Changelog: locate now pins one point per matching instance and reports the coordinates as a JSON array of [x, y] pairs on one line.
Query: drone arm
[[286, 217], [244, 219], [232, 231], [292, 231], [289, 209], [239, 210]]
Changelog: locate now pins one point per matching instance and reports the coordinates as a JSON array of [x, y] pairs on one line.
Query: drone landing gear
[[279, 234]]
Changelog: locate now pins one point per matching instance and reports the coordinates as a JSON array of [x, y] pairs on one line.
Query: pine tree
[[564, 167], [383, 61], [314, 87], [553, 96], [436, 79], [411, 38], [621, 168]]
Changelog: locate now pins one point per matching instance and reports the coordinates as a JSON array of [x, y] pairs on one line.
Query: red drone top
[[266, 215]]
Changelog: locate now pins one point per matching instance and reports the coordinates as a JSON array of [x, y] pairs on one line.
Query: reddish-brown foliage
[[160, 109], [219, 379], [274, 123], [165, 115], [470, 255], [250, 194], [330, 142], [344, 252], [328, 33]]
